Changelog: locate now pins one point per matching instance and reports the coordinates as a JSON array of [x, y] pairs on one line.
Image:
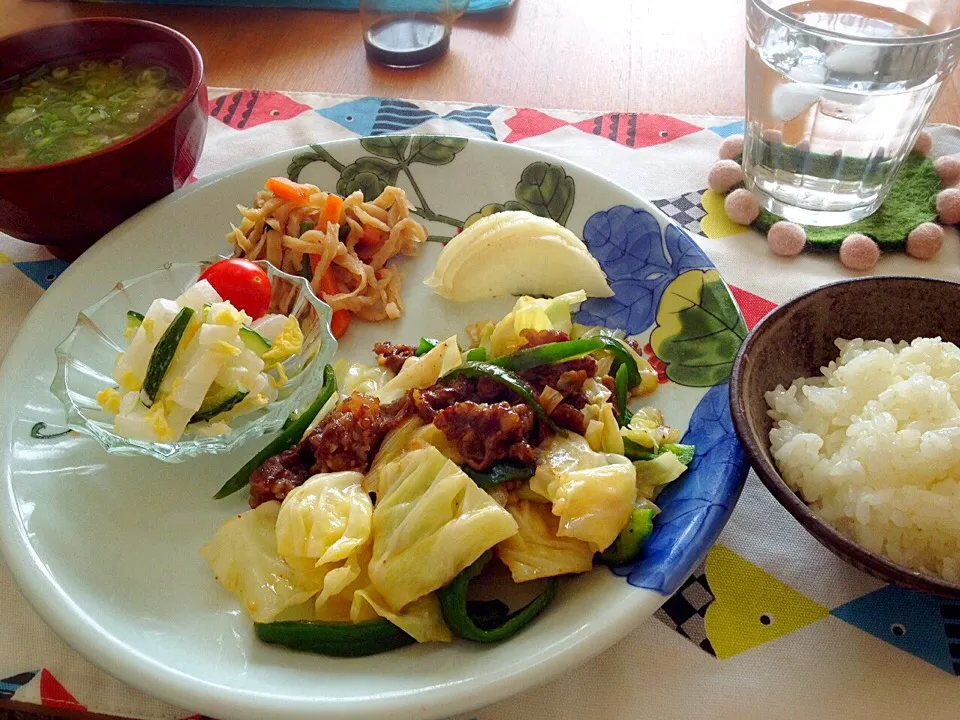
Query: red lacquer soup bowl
[[69, 205]]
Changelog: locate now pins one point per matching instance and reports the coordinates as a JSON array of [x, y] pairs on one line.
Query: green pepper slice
[[287, 438], [621, 381], [425, 345], [306, 226], [511, 382], [630, 541], [456, 609], [476, 355], [684, 453], [339, 639], [498, 473], [553, 353]]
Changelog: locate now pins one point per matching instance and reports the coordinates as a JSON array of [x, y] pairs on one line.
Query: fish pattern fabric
[[770, 625]]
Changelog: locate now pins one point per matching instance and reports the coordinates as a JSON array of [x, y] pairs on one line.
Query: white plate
[[105, 547]]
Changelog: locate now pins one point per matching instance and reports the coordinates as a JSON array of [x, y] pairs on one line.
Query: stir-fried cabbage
[[424, 371], [430, 523], [327, 519], [536, 551], [244, 558], [396, 442], [592, 493], [533, 314], [654, 475], [422, 619], [357, 377], [603, 431], [646, 429]]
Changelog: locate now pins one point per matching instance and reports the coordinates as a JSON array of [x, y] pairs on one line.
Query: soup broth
[[66, 111]]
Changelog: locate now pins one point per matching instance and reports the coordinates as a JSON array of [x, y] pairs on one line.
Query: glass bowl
[[86, 360]]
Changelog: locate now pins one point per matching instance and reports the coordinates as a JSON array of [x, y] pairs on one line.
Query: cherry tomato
[[244, 284]]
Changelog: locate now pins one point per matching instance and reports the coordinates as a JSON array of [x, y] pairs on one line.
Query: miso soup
[[58, 112]]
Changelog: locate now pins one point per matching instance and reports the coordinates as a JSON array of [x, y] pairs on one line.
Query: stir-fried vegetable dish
[[527, 450]]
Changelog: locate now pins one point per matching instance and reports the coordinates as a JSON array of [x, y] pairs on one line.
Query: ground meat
[[347, 439], [567, 416], [543, 337], [567, 377], [392, 357], [485, 433], [610, 384], [280, 474], [433, 399]]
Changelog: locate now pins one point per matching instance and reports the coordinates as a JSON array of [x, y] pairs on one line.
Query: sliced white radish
[[198, 295]]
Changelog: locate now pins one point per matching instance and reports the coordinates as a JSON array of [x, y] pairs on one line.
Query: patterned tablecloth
[[772, 625]]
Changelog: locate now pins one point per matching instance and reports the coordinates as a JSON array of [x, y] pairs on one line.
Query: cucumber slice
[[254, 341], [134, 319], [219, 402], [163, 354]]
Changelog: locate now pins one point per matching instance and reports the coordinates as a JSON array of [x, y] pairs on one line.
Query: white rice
[[873, 446]]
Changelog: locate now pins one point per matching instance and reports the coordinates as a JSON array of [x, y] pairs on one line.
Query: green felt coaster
[[911, 201]]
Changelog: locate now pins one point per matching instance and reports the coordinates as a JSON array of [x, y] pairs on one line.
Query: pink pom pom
[[741, 206], [732, 147], [925, 240], [786, 238], [724, 175], [858, 252], [948, 169], [948, 206], [924, 143], [772, 136]]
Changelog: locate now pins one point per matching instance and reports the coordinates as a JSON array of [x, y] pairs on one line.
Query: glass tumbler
[[408, 33], [837, 92]]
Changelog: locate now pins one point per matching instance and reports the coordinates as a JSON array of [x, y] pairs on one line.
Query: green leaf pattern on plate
[[387, 146], [699, 329], [544, 188], [435, 150], [369, 174]]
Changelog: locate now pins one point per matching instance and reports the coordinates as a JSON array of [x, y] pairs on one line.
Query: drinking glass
[[837, 92], [408, 33]]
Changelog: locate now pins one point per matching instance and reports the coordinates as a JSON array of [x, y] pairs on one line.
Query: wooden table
[[681, 56]]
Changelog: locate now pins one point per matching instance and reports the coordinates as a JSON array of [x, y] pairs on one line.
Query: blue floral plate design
[[105, 546]]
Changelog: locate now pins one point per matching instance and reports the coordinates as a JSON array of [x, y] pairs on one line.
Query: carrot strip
[[328, 283], [339, 323], [371, 236], [331, 210], [287, 189]]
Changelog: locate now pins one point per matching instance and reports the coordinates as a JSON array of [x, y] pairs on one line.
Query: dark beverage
[[400, 41]]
